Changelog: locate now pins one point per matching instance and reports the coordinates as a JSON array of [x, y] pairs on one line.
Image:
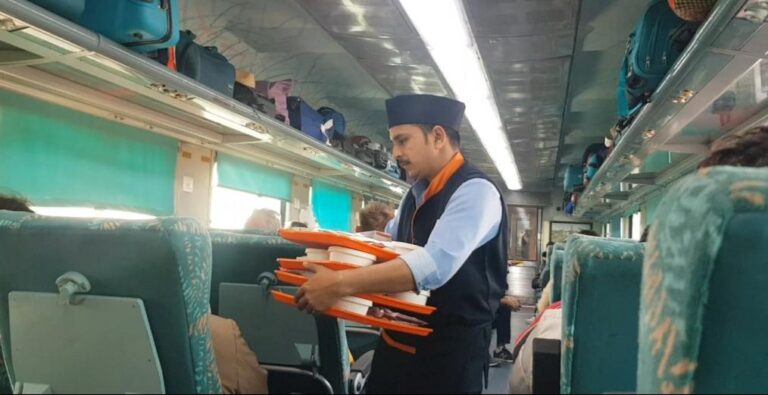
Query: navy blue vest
[[472, 296]]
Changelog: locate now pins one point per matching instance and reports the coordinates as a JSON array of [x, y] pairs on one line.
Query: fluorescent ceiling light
[[444, 27]]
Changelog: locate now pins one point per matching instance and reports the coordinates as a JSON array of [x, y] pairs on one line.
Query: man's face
[[414, 151]]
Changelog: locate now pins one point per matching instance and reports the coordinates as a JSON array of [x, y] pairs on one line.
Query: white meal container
[[316, 254], [402, 248], [350, 256], [413, 297], [354, 305]]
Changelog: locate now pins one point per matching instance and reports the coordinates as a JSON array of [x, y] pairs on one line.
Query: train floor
[[499, 375]]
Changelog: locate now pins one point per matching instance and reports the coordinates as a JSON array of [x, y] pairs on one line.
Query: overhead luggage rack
[[727, 54], [47, 57]]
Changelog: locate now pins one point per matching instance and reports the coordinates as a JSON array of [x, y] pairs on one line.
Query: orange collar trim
[[441, 179]]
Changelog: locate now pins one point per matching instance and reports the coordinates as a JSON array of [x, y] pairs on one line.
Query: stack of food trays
[[342, 251]]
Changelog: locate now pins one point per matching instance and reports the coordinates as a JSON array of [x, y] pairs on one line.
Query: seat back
[[556, 273], [703, 312], [601, 297], [282, 335], [163, 262], [240, 257]]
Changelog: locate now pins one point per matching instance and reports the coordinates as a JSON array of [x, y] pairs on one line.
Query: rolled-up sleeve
[[470, 219]]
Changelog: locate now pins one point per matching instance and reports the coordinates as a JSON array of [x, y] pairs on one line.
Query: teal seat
[[240, 257], [601, 297], [556, 273], [303, 353], [703, 311], [164, 262]]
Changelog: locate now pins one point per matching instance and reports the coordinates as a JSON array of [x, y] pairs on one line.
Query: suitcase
[[573, 178], [204, 64], [303, 117], [68, 9], [247, 96], [653, 47], [141, 25]]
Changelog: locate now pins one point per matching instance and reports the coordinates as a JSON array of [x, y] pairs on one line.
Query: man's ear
[[440, 135]]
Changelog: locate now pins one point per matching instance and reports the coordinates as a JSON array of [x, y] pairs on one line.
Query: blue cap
[[425, 109]]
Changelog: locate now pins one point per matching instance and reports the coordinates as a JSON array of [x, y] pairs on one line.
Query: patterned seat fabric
[[601, 296], [165, 262], [703, 312], [556, 273]]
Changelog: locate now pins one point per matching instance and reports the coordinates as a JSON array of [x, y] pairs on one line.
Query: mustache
[[402, 163]]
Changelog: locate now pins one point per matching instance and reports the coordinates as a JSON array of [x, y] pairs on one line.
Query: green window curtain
[[650, 209], [54, 156], [332, 206], [240, 174], [616, 227]]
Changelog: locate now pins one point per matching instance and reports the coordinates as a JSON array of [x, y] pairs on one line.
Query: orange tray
[[298, 264], [362, 319], [298, 280], [316, 239]]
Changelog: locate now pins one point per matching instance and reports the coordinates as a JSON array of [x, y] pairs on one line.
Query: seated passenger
[[264, 220], [238, 366], [297, 224], [374, 217], [748, 149]]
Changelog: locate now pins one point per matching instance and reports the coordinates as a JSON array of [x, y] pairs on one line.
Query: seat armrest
[[546, 366], [359, 373]]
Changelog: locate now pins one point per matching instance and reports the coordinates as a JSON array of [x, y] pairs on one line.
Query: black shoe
[[503, 355]]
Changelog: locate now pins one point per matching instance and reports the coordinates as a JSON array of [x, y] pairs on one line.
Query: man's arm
[[471, 218]]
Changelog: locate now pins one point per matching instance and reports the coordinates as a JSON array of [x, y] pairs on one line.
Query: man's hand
[[511, 302], [322, 291]]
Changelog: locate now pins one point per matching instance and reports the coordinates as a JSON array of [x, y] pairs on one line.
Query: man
[[455, 213], [374, 217]]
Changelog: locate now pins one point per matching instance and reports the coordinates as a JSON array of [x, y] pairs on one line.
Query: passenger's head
[[297, 224], [12, 203], [265, 220], [588, 232], [748, 149], [375, 216], [424, 132]]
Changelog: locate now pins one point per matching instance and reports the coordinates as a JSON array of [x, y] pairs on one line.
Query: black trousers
[[449, 361], [503, 326]]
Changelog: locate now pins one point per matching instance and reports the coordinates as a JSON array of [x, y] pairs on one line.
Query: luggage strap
[[395, 344]]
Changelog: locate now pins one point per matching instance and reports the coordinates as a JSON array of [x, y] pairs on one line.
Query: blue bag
[[205, 64], [303, 117], [339, 127], [653, 47], [141, 25], [573, 178], [67, 9]]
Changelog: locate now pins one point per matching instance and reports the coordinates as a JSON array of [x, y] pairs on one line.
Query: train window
[[230, 208], [524, 232], [89, 212], [637, 226]]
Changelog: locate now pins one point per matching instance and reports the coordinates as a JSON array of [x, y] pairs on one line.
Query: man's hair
[[375, 216], [265, 220], [748, 149], [588, 232], [12, 203], [453, 135], [297, 224]]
